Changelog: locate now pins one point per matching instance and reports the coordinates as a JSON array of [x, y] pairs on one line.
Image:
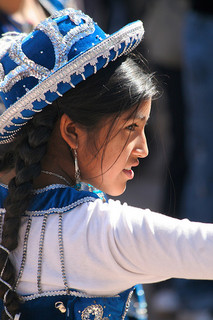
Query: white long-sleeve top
[[109, 247]]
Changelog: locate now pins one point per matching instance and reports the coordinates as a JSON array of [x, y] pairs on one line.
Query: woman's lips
[[129, 173]]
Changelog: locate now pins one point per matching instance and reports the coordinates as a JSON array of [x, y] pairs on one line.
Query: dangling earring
[[77, 171]]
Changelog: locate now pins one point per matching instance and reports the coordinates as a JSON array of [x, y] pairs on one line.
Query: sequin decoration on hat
[[62, 51]]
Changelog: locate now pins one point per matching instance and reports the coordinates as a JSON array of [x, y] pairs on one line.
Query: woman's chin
[[115, 192]]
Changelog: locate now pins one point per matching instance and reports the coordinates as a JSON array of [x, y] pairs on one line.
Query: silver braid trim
[[60, 210], [61, 251], [4, 266], [59, 293], [5, 249], [40, 254], [24, 255], [6, 284]]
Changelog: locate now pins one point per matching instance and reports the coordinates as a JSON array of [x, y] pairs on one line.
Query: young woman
[[77, 103]]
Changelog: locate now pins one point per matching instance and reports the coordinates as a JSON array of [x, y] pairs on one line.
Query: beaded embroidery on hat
[[62, 51]]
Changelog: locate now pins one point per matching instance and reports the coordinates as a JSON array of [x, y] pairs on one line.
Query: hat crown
[[82, 26]]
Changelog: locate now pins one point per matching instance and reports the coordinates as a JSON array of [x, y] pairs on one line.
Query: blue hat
[[63, 50]]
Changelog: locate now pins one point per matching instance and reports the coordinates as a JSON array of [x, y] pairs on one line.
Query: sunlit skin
[[107, 168], [127, 144]]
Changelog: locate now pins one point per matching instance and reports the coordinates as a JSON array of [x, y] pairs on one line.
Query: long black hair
[[113, 90]]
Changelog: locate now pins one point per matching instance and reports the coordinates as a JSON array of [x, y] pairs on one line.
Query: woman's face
[[108, 167]]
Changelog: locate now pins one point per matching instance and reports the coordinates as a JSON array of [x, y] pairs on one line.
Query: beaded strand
[[1, 225], [61, 251], [40, 253], [24, 254]]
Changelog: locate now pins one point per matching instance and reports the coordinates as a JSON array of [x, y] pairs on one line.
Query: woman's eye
[[132, 127]]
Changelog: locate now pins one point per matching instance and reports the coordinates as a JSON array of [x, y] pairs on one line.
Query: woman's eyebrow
[[137, 117]]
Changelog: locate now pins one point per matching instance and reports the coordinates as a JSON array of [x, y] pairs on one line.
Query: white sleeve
[[148, 247], [111, 247]]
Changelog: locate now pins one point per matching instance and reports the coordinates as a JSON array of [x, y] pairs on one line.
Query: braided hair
[[29, 149]]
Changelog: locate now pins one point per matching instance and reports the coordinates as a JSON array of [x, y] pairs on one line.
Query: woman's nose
[[141, 149]]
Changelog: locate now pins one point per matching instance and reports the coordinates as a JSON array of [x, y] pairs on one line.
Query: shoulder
[[116, 209], [58, 199], [55, 198], [114, 215]]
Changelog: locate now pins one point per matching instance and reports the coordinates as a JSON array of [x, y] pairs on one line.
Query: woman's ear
[[68, 131]]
